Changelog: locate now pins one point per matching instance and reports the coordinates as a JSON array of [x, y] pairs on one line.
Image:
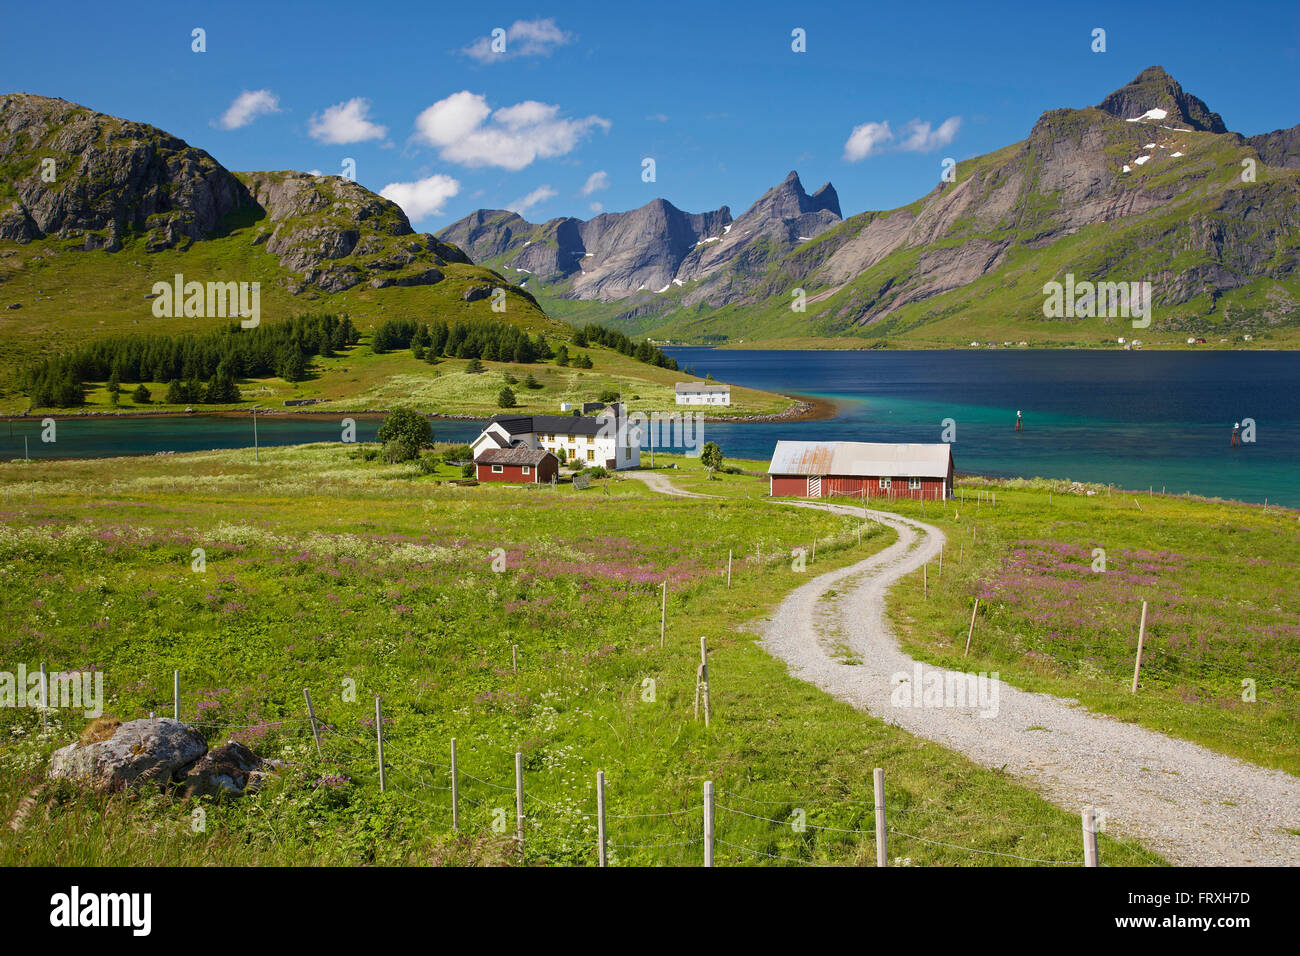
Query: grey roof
[[519, 455], [548, 424], [701, 387], [883, 459]]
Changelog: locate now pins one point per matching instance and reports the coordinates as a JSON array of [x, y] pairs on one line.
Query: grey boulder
[[148, 751]]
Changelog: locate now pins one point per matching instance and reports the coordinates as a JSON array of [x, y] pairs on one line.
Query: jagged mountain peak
[[789, 200], [1154, 90]]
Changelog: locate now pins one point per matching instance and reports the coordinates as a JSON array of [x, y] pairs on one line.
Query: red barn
[[812, 469], [518, 464]]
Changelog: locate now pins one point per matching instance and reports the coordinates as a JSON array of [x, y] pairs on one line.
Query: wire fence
[[716, 828]]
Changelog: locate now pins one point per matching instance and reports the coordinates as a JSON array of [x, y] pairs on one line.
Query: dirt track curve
[[1190, 804]]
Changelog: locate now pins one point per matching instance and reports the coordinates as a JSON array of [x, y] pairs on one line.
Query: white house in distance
[[601, 440], [703, 393]]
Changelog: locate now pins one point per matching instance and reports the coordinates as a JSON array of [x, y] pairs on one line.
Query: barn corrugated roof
[[882, 459], [684, 387]]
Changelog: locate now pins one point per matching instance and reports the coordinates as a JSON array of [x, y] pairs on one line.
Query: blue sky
[[560, 123]]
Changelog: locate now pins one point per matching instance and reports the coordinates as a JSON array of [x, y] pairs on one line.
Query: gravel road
[[1189, 804]]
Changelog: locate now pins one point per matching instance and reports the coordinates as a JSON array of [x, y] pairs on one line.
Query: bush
[[141, 395], [457, 453], [711, 457], [474, 367], [399, 450], [408, 426], [510, 379], [467, 470], [598, 472], [608, 395], [506, 398], [531, 382]]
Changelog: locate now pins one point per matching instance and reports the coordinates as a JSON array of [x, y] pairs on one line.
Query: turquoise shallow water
[[1135, 419]]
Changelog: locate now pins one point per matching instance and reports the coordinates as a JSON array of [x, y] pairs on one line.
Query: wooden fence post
[[729, 550], [971, 632], [514, 658], [176, 694], [600, 815], [1142, 633], [882, 847], [663, 613], [704, 678], [379, 740], [814, 551], [1089, 838], [925, 580], [941, 562], [708, 822], [311, 716], [519, 803], [45, 696], [455, 789]]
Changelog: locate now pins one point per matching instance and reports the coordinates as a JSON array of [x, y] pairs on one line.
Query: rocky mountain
[[1278, 148], [1149, 185], [88, 180], [1154, 94], [647, 250]]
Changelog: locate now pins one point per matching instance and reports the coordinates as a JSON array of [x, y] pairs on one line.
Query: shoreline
[[806, 408]]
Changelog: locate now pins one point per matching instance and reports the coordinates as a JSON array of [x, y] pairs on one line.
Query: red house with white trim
[[519, 464], [829, 469]]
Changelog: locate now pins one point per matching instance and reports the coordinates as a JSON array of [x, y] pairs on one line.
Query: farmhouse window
[[527, 470], [498, 469], [914, 484], [591, 455], [884, 484]]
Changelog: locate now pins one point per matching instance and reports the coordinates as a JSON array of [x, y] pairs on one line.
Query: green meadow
[[356, 579], [1061, 578]]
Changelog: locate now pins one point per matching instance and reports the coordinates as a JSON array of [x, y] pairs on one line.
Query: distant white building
[[701, 393]]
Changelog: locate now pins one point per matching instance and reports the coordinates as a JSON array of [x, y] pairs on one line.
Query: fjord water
[[1134, 419]]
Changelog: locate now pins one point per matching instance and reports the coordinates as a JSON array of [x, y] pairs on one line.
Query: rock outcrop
[[151, 751], [76, 172], [1278, 148], [73, 173], [1154, 89], [229, 771]]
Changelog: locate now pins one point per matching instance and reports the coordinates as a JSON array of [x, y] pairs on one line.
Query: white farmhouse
[[603, 440], [701, 393]]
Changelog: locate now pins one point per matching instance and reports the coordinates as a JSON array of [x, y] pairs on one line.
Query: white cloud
[[595, 182], [867, 139], [918, 137], [424, 197], [248, 106], [467, 131], [597, 207], [538, 195], [345, 123], [523, 38], [657, 118]]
